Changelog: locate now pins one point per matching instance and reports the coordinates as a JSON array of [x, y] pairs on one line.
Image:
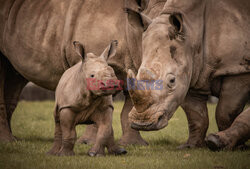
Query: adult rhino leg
[[58, 136], [195, 107], [89, 135], [237, 134], [129, 135], [233, 97], [5, 133], [14, 84]]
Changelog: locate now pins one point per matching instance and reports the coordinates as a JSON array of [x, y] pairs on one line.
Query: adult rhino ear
[[138, 20], [110, 51], [79, 48], [143, 4]]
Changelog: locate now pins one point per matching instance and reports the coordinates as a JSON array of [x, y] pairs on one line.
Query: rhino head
[[100, 78], [171, 57]]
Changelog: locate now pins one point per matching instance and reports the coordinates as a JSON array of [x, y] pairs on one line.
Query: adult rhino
[[36, 45], [196, 48]]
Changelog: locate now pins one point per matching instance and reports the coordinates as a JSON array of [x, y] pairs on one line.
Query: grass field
[[33, 123]]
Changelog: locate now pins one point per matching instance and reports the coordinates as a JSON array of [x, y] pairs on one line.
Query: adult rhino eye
[[176, 21]]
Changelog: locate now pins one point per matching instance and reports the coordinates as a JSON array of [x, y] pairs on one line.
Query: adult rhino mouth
[[146, 122]]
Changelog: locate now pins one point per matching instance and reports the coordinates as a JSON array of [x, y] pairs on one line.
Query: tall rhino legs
[[11, 85], [129, 135], [195, 107], [233, 97], [238, 133]]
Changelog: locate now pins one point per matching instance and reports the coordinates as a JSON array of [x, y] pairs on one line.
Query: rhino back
[[37, 35]]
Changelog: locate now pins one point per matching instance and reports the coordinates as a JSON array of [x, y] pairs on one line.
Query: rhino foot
[[116, 150], [53, 151], [214, 143], [132, 140], [65, 152], [7, 137]]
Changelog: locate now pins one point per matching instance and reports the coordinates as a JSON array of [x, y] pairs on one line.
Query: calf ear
[[138, 20], [143, 4], [110, 51], [79, 48]]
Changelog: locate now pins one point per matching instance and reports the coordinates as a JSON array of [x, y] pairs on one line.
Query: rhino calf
[[79, 103]]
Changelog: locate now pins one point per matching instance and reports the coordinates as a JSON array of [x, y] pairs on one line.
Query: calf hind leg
[[89, 135]]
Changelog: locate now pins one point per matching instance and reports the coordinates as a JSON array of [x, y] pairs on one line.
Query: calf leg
[[67, 123], [195, 107], [129, 135], [233, 98], [238, 133], [89, 135], [105, 136]]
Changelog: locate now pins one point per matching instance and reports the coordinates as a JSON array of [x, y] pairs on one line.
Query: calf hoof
[[95, 154], [65, 153], [214, 143]]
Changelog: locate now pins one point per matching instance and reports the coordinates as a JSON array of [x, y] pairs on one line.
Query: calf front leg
[[195, 107], [67, 124]]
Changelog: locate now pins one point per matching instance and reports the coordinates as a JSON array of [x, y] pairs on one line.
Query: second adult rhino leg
[[89, 135], [233, 98], [129, 135], [236, 134], [195, 107]]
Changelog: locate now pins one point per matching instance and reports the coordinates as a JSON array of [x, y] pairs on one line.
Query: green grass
[[33, 123]]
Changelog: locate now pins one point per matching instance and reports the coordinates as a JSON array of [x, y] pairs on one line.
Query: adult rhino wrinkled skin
[[36, 45], [196, 48]]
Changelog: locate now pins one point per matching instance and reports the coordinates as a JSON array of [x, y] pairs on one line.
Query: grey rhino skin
[[78, 103], [36, 41], [195, 55]]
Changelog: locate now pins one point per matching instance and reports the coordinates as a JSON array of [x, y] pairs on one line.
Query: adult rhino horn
[[141, 98]]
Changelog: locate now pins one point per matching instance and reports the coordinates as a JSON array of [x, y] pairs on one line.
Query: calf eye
[[92, 76]]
